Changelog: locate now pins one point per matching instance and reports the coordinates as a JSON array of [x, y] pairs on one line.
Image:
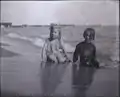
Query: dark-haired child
[[86, 50]]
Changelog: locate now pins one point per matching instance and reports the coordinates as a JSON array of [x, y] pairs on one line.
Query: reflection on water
[[51, 77], [81, 80]]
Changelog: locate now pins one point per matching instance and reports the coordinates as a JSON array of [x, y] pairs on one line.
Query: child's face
[[88, 36], [56, 33]]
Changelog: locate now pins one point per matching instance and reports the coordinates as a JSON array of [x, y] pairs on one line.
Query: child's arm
[[96, 63], [94, 52], [43, 52], [75, 55], [62, 47]]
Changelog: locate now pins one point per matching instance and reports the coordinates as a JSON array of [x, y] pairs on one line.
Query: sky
[[63, 12]]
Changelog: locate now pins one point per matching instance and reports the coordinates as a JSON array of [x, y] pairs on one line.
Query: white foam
[[40, 42], [14, 35], [115, 56]]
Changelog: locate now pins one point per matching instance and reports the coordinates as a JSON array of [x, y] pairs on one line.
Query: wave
[[37, 41]]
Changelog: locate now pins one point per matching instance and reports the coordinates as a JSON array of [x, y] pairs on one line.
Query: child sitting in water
[[53, 50], [86, 50]]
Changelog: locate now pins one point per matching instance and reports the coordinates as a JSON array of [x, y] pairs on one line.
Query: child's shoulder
[[47, 41], [84, 43], [79, 44]]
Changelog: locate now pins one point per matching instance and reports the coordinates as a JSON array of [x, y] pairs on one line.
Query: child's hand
[[75, 63], [68, 60]]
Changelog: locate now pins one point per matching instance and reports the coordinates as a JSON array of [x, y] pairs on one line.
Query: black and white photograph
[[59, 48]]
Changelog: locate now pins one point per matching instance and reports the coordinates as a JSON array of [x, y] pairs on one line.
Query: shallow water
[[22, 74]]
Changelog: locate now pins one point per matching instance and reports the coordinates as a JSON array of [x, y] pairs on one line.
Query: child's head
[[89, 34], [55, 32]]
